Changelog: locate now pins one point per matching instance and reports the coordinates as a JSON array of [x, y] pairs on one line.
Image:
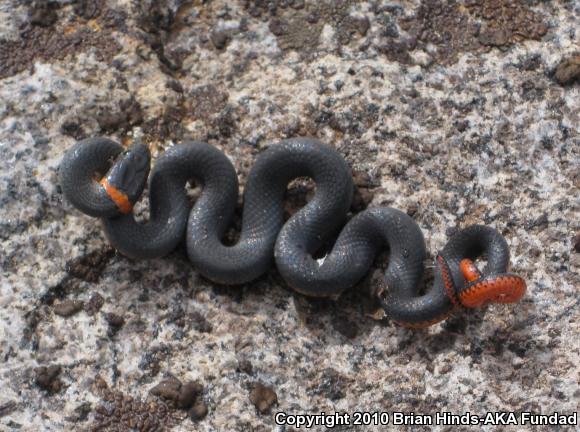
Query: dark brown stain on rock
[[332, 384], [452, 27], [245, 366], [298, 25], [94, 304], [49, 44], [128, 114], [159, 20], [29, 333], [398, 51], [200, 323], [345, 327], [205, 103], [337, 14], [89, 267], [168, 126], [43, 14], [73, 127], [120, 412], [206, 100], [88, 9], [47, 378], [67, 285], [506, 21], [265, 8], [296, 34], [7, 408], [193, 320], [444, 25], [115, 322], [226, 121], [455, 27]]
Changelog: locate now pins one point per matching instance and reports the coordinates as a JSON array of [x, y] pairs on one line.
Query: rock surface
[[456, 114]]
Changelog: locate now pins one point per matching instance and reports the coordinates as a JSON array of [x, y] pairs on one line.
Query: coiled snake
[[265, 237]]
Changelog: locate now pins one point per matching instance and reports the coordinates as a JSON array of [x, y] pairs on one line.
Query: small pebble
[[220, 38], [188, 394], [68, 308], [412, 209], [198, 411], [263, 398], [167, 389], [115, 322], [568, 70], [576, 242], [184, 395]]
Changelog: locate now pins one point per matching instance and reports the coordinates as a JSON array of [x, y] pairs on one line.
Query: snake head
[[127, 177]]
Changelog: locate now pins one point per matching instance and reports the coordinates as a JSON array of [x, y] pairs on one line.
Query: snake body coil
[[265, 236]]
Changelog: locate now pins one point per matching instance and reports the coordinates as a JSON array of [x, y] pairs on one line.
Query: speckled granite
[[454, 113]]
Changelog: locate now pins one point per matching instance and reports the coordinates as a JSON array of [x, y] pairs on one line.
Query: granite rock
[[454, 113]]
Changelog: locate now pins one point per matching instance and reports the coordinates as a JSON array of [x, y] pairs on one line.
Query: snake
[[103, 179]]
